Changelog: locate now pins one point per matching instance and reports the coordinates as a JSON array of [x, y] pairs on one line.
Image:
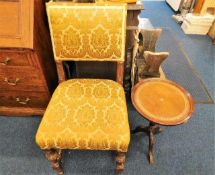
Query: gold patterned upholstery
[[93, 32], [86, 114]]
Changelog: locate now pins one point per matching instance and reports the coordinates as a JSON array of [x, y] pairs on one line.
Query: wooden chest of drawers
[[27, 69]]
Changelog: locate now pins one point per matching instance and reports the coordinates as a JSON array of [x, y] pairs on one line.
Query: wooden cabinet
[[16, 23], [27, 69]]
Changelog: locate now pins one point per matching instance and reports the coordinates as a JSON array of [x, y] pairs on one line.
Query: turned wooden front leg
[[54, 156], [120, 162]]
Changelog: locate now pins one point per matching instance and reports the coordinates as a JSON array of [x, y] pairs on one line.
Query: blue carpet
[[180, 150], [178, 67], [198, 48]]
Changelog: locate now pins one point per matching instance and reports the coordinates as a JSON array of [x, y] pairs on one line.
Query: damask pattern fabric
[[86, 114], [88, 32]]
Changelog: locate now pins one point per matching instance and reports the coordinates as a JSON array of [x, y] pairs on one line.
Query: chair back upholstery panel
[[87, 31]]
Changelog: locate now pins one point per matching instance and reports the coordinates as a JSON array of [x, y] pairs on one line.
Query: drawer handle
[[12, 82], [5, 62], [24, 102]]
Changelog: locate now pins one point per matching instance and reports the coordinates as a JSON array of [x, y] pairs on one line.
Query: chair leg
[[54, 156], [120, 162], [213, 41]]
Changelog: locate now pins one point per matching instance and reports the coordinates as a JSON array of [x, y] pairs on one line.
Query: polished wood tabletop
[[162, 101]]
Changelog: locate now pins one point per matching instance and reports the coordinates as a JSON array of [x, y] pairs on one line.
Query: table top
[[162, 101]]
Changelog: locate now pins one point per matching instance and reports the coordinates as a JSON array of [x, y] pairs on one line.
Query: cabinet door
[[16, 23]]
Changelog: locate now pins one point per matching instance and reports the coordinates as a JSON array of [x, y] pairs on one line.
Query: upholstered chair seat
[[86, 114]]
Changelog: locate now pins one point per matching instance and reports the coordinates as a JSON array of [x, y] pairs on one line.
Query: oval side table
[[161, 102]]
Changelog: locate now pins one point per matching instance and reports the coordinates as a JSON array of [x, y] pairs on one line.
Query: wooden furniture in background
[[151, 65], [27, 69], [146, 63], [198, 6], [148, 39], [132, 22], [161, 102], [206, 6], [202, 6], [211, 33], [16, 24]]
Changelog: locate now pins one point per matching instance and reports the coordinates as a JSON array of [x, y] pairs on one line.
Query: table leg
[[150, 130], [156, 129], [140, 129], [151, 143]]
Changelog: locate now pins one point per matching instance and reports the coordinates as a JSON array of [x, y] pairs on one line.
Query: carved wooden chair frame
[[55, 155]]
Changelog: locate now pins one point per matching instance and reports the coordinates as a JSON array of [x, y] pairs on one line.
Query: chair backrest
[[148, 39], [87, 31], [145, 40]]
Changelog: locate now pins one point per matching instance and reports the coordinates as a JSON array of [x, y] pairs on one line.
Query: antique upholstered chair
[[86, 114]]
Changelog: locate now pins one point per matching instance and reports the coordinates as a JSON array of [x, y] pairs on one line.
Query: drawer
[[23, 99], [15, 58], [21, 79], [16, 23]]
